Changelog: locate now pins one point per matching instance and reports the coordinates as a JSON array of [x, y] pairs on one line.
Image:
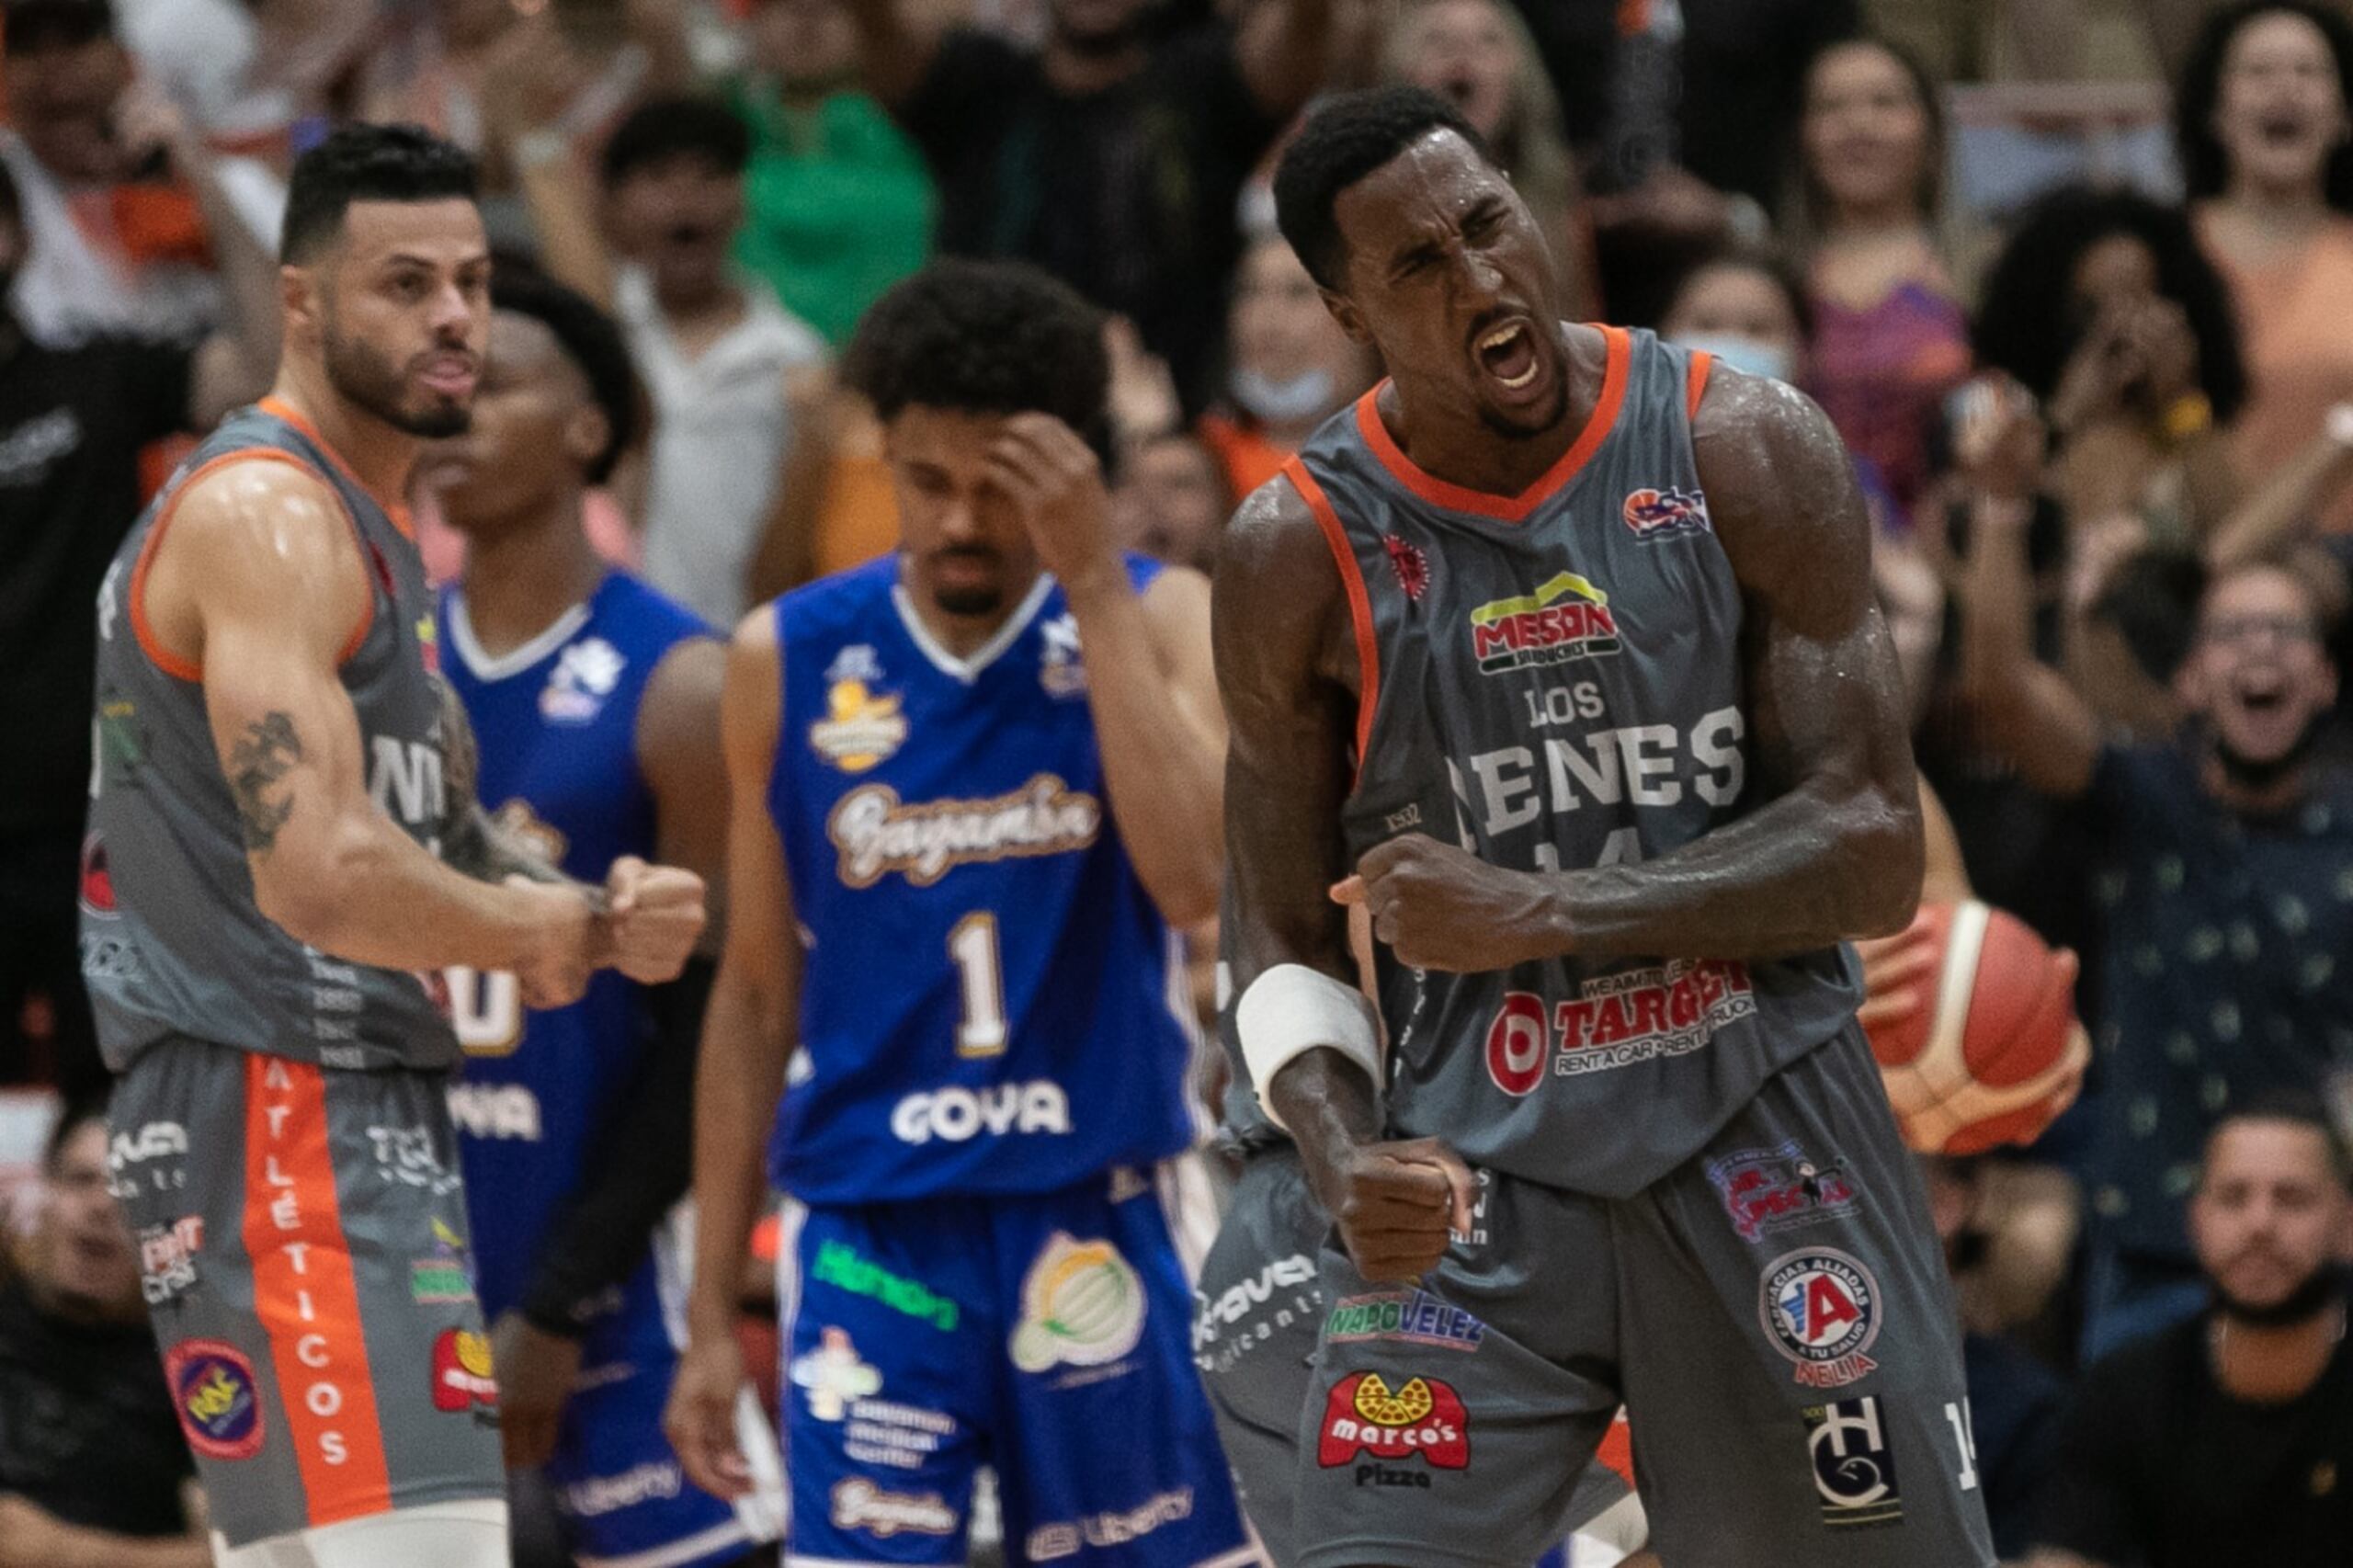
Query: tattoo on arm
[[262, 755], [472, 841]]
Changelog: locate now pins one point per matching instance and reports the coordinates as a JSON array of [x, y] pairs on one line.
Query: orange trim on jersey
[[174, 665], [279, 409], [1696, 381], [1359, 601], [306, 1296], [1484, 504]]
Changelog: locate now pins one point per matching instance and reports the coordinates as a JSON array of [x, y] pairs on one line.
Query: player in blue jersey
[[596, 702], [975, 785]]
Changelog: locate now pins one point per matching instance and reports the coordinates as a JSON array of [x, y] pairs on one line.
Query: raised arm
[[748, 1035], [1284, 47], [896, 50], [259, 585], [1283, 669], [2026, 711], [1833, 851], [1149, 683]]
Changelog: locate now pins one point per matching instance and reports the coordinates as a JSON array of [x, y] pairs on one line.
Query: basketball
[[1994, 1052]]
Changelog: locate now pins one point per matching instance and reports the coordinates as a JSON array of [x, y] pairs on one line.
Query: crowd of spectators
[[2105, 430]]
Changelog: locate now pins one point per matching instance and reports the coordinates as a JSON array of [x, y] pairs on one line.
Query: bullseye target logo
[[1821, 1308], [217, 1401], [1424, 1417]]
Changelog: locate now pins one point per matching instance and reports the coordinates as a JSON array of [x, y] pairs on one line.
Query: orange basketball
[[1993, 1053]]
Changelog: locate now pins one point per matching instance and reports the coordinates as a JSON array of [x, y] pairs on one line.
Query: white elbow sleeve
[[1292, 1008]]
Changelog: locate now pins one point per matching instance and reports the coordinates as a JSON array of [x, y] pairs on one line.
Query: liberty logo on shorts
[[1424, 1417], [1854, 1468], [1822, 1309], [1081, 1304], [218, 1402], [462, 1375], [1666, 514]]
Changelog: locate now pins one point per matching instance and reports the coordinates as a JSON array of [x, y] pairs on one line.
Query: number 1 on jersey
[[971, 946]]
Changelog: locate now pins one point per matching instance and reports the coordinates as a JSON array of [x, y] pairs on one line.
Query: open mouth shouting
[[1512, 362]]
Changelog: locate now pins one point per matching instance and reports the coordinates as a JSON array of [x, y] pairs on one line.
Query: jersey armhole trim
[[1696, 381], [1336, 537], [192, 670], [287, 415]]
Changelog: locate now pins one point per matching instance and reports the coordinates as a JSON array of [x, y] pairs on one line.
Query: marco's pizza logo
[[1423, 1416], [1565, 619]]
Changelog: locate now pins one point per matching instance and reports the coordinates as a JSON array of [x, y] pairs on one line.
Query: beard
[[373, 384], [2319, 1290], [1550, 419]]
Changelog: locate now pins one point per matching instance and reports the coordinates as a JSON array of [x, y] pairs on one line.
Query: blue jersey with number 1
[[992, 1003]]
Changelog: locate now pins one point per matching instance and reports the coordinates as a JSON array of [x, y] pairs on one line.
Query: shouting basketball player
[[266, 891], [1558, 653]]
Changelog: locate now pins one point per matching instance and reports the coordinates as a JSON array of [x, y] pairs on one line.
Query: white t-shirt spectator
[[721, 426]]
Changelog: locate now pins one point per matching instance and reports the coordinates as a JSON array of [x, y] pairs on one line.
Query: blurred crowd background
[[2072, 278]]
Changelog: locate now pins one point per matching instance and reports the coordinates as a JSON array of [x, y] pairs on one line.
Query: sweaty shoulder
[[1278, 609], [1780, 486], [253, 530]]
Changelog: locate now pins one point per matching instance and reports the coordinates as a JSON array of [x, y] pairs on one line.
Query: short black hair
[[1346, 137], [2298, 1107], [663, 128], [368, 163], [12, 204], [2025, 326], [592, 341], [1769, 264], [985, 337], [2205, 167], [30, 26], [77, 1113]]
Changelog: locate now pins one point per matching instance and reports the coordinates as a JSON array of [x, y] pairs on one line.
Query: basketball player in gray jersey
[[284, 853], [1558, 655]]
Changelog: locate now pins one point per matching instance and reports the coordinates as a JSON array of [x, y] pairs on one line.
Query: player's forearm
[[1996, 624], [1326, 1102], [367, 893], [747, 1038], [1805, 871], [1161, 760]]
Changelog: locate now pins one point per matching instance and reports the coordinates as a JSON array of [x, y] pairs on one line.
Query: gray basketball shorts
[[301, 1234], [1774, 1314], [1257, 1311]]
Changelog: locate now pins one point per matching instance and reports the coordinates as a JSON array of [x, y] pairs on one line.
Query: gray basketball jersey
[[1554, 681], [172, 942]]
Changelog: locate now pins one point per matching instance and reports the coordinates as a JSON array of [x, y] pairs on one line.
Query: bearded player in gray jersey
[[285, 852], [1558, 655]]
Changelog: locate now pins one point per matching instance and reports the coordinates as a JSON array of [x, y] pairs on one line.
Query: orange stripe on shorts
[[305, 1295]]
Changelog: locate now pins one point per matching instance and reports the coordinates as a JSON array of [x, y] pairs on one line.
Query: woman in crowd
[[1478, 55], [2103, 306], [1289, 367], [2263, 142], [1891, 338]]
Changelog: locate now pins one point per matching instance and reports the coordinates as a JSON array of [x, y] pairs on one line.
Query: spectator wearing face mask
[[2228, 1438], [1289, 367], [2222, 859], [1746, 311], [94, 1472]]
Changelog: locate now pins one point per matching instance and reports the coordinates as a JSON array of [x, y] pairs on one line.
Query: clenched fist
[[654, 915], [1394, 1204], [1444, 908]]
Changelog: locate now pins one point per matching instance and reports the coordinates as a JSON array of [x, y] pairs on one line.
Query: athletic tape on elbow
[[1292, 1008]]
